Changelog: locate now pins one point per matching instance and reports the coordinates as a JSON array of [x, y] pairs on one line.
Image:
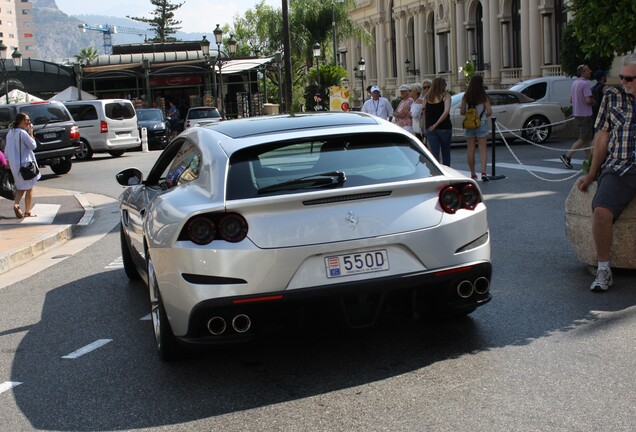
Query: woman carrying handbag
[[19, 153]]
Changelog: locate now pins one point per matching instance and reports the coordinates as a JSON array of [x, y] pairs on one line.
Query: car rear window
[[119, 110], [46, 113], [203, 113], [291, 167]]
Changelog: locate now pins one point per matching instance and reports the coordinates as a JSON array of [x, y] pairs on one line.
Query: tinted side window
[[82, 112], [185, 166], [46, 113], [5, 117], [119, 110], [536, 91]]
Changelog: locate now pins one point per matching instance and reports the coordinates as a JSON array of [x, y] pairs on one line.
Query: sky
[[195, 15]]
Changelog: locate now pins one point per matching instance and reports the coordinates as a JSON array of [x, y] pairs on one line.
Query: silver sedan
[[514, 111], [243, 223]]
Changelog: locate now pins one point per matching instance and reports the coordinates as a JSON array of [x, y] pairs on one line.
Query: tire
[[536, 129], [63, 167], [129, 265], [85, 152], [164, 338], [116, 153]]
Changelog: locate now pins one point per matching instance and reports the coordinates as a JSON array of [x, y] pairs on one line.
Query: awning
[[240, 65]]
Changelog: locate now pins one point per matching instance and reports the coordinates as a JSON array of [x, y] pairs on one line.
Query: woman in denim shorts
[[476, 97]]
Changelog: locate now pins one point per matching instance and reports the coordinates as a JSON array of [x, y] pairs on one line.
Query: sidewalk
[[58, 215]]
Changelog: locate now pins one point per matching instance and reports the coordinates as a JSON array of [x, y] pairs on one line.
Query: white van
[[547, 89], [105, 125]]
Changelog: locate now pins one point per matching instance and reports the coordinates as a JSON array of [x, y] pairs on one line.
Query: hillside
[[59, 38]]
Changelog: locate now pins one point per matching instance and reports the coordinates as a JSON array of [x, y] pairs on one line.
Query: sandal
[[28, 214], [484, 176], [17, 211], [473, 176]]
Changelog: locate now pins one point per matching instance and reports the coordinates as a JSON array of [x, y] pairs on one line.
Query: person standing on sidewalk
[[439, 129], [582, 102], [615, 158], [477, 98], [378, 106], [402, 113], [19, 152]]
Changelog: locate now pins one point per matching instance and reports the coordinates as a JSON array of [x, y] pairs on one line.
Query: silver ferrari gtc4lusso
[[242, 221]]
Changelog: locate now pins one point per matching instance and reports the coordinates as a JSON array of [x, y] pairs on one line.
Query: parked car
[[533, 120], [157, 127], [106, 126], [201, 116], [54, 130], [239, 223], [548, 89]]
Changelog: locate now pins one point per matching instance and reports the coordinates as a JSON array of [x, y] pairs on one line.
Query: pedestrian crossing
[[44, 214]]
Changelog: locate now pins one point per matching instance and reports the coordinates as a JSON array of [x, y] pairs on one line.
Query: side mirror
[[129, 177]]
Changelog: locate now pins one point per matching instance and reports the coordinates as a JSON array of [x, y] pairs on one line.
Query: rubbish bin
[[271, 109]]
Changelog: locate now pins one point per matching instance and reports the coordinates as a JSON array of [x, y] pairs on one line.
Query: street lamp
[[231, 44], [17, 63], [362, 67], [316, 48], [413, 71]]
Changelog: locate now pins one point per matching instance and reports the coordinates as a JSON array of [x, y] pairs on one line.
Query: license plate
[[122, 134], [357, 263], [49, 135]]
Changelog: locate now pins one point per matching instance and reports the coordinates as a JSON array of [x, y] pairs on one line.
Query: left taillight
[[74, 133], [459, 196], [204, 229]]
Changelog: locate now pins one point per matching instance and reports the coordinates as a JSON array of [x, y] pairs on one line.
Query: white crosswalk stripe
[[117, 264]]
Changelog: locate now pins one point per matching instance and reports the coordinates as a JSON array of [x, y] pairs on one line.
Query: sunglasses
[[426, 87], [627, 78]]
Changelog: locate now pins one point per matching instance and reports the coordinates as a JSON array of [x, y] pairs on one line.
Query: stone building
[[17, 28], [509, 40]]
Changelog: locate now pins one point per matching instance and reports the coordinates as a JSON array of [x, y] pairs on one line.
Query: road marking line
[[8, 385], [146, 318], [117, 264], [88, 348], [45, 213]]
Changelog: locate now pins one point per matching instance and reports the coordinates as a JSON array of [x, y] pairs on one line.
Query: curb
[[44, 243]]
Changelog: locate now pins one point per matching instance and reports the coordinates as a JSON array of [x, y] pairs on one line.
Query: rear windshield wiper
[[314, 180]]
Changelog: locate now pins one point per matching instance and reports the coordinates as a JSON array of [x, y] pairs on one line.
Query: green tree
[[163, 22], [572, 54], [87, 56], [604, 28]]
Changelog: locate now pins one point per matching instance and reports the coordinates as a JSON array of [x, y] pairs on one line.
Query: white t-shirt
[[381, 108]]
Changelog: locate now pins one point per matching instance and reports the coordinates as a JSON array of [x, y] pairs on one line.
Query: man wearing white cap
[[378, 106], [403, 111]]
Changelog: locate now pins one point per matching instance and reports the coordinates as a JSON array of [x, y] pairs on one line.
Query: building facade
[[508, 40], [17, 28]]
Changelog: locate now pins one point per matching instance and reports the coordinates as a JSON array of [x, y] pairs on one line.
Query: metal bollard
[[144, 140]]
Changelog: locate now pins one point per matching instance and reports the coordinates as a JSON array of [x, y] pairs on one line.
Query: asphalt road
[[545, 355]]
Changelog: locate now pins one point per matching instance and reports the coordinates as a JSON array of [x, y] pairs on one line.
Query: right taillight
[[74, 133], [203, 229], [455, 197], [103, 127]]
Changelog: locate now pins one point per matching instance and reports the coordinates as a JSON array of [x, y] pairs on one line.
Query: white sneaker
[[603, 280]]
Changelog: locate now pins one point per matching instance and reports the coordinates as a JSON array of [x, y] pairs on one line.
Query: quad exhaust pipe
[[466, 288], [217, 325]]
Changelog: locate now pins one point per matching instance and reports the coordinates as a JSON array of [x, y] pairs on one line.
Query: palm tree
[[87, 56]]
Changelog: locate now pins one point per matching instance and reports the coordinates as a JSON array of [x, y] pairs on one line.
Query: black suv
[[54, 130]]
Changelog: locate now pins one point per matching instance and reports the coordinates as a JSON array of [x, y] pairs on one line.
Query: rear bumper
[[431, 290]]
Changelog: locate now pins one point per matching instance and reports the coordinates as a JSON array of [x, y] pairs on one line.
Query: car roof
[[242, 128], [544, 79]]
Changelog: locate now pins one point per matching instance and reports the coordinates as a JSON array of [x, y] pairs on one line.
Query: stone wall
[[578, 225]]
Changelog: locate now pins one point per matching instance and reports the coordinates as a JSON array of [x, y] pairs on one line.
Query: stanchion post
[[144, 140], [493, 176]]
